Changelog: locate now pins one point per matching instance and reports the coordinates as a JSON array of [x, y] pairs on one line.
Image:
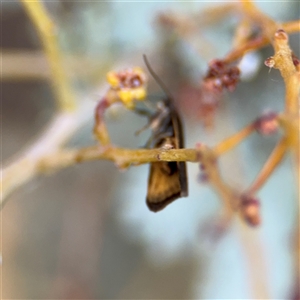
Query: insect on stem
[[167, 180]]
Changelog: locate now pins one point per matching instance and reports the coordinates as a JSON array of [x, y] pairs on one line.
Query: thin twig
[[122, 157], [47, 31], [234, 140], [271, 164], [25, 167], [259, 42]]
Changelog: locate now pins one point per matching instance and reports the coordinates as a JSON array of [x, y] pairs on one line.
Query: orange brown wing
[[164, 185]]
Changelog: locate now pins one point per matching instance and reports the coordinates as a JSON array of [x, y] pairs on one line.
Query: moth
[[167, 180]]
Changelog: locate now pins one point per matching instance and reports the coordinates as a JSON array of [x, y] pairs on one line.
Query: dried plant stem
[[232, 141], [122, 157], [225, 192], [282, 60], [268, 25], [271, 164], [259, 42], [46, 156], [100, 130], [255, 254], [290, 118], [291, 26], [47, 32], [26, 167]]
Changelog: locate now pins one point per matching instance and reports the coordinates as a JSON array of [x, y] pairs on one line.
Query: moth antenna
[[157, 79]]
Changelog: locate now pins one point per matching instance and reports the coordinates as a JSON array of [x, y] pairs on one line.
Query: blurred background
[[85, 232]]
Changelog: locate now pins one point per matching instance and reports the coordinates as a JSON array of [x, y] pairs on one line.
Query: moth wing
[[164, 185], [179, 144], [183, 179], [168, 180]]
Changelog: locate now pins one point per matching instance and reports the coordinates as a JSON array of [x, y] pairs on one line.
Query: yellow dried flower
[[129, 85]]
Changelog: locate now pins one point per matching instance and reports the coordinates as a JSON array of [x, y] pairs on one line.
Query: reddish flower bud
[[267, 124], [270, 62], [223, 75], [250, 210], [281, 35]]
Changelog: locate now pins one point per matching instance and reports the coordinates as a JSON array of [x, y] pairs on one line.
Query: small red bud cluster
[[203, 176], [129, 78], [267, 124], [222, 75], [281, 35], [250, 210], [270, 62]]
